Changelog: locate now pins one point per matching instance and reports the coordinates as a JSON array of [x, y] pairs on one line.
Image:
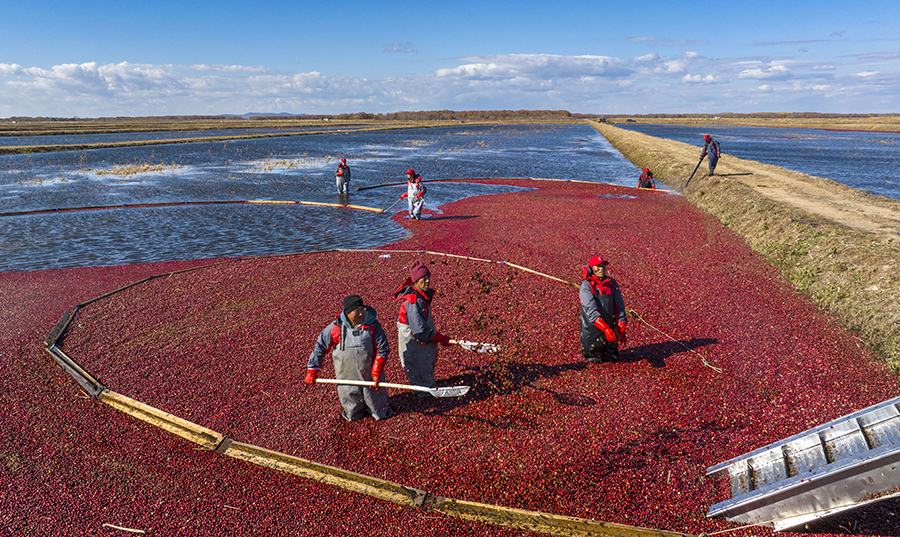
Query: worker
[[417, 336], [359, 348], [711, 151], [603, 319], [415, 194], [646, 180], [342, 177]]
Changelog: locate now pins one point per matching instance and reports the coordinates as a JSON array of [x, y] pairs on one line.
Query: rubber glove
[[440, 338], [311, 376], [623, 339], [607, 331], [377, 370]]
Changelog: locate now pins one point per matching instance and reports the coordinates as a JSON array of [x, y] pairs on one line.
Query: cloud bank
[[685, 82]]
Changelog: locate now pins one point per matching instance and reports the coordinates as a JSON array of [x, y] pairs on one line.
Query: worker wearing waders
[[710, 150], [359, 348], [342, 177], [417, 337], [646, 180], [415, 194], [603, 317]]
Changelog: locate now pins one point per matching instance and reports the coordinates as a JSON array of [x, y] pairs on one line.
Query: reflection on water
[[862, 160], [294, 168]]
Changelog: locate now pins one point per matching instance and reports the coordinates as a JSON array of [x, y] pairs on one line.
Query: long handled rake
[[693, 172], [450, 391]]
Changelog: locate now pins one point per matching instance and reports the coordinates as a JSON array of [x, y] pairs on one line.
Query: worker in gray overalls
[[359, 348]]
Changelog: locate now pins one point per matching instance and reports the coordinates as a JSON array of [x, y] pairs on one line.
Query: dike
[[837, 245]]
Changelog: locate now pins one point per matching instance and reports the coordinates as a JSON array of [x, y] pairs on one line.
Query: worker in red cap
[[342, 177], [603, 319], [418, 338], [646, 180], [359, 348], [415, 194], [711, 151]]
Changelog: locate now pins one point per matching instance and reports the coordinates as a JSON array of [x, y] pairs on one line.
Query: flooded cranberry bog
[[723, 357]]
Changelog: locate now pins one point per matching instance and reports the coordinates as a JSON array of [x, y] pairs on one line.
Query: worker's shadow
[[488, 380], [879, 518], [657, 353], [506, 377]]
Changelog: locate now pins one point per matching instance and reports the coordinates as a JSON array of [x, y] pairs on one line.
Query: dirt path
[[827, 199], [820, 197]]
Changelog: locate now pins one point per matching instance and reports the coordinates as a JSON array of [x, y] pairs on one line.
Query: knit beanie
[[418, 271], [351, 303]]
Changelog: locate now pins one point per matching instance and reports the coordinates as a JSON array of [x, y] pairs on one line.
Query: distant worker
[[603, 319], [359, 348], [417, 336], [646, 180], [342, 177], [710, 150], [415, 194]]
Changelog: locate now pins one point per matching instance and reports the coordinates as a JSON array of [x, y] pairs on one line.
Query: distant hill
[[268, 114]]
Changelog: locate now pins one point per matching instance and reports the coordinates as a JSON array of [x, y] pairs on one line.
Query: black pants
[[601, 352]]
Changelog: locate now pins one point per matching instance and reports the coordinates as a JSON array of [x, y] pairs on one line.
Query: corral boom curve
[[188, 203]]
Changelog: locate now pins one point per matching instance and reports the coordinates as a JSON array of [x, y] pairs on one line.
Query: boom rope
[[629, 311]]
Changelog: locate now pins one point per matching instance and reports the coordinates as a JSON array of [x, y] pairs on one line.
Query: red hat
[[418, 271], [646, 170], [343, 160], [410, 172], [706, 137], [597, 260]]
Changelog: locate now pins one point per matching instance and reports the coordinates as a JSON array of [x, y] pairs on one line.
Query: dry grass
[[127, 171], [850, 273]]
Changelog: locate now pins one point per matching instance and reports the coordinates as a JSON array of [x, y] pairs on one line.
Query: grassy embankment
[[871, 123], [849, 272]]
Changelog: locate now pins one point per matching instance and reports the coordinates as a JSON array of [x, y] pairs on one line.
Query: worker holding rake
[[359, 348], [603, 318], [342, 177], [415, 194], [711, 152], [417, 337]]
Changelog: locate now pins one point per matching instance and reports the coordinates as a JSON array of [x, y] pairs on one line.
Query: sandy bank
[[837, 244]]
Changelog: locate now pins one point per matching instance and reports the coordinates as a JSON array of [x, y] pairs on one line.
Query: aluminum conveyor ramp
[[841, 465]]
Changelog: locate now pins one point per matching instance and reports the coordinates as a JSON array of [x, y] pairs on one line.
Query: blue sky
[[125, 58]]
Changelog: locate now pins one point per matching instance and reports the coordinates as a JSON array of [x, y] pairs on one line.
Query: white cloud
[[651, 57], [699, 79], [397, 46], [867, 73], [765, 73], [535, 67]]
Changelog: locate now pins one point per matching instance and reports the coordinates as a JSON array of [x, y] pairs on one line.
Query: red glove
[[607, 331], [623, 339], [377, 370], [440, 338], [403, 196], [311, 376]]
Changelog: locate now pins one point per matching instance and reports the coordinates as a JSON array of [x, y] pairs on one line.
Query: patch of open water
[[291, 168]]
